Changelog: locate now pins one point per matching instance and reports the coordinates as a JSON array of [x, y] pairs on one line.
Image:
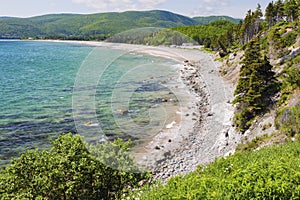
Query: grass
[[269, 173]]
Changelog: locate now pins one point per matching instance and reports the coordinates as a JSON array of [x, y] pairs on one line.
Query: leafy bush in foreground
[[270, 173], [67, 171]]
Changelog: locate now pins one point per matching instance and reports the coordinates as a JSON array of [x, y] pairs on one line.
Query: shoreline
[[205, 131]]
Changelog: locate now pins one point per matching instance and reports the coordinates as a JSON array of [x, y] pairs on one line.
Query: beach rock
[[88, 124], [210, 114], [142, 182], [231, 57], [226, 134], [122, 111], [164, 100], [157, 147]]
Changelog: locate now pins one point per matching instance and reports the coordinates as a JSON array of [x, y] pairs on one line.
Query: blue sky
[[27, 8]]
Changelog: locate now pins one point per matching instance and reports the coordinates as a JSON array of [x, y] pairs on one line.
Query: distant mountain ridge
[[209, 19], [95, 25]]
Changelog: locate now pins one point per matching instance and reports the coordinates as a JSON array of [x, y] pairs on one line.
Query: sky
[[191, 8]]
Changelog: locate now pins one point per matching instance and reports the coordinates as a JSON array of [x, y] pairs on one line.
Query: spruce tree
[[298, 6], [251, 25], [256, 86], [245, 28], [291, 10], [257, 15], [270, 15], [251, 54], [279, 10]]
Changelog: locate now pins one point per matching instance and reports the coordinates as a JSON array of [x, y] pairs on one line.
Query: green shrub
[[290, 78], [293, 76], [243, 119], [252, 145], [266, 126], [67, 171], [289, 38], [288, 120]]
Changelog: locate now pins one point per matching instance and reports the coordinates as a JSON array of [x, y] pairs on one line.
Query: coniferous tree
[[256, 86], [291, 10], [251, 55], [270, 14], [257, 15], [251, 25], [298, 6], [245, 28], [279, 10]]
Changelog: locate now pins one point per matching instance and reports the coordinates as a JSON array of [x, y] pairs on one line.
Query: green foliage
[[288, 120], [253, 144], [256, 87], [210, 19], [289, 38], [270, 14], [88, 26], [115, 155], [95, 26], [15, 28], [279, 39], [279, 10], [290, 78], [270, 173], [168, 37], [151, 36], [214, 35], [291, 10], [204, 35], [243, 118], [266, 126], [67, 171], [251, 25]]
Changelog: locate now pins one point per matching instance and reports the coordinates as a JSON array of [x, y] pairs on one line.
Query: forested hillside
[[93, 26], [210, 35], [268, 77], [210, 19]]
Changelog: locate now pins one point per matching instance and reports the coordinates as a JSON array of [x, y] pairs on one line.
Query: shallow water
[[51, 88]]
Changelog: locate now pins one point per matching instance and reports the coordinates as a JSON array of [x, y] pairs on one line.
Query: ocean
[[49, 88]]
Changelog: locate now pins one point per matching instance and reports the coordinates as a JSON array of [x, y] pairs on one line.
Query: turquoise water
[[51, 88]]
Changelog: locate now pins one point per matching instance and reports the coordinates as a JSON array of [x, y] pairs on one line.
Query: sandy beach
[[204, 131]]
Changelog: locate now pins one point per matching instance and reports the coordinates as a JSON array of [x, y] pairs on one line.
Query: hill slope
[[207, 20], [91, 25]]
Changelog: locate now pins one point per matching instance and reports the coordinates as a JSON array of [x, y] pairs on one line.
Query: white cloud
[[216, 2], [120, 5], [210, 7], [151, 3], [203, 10], [102, 5]]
